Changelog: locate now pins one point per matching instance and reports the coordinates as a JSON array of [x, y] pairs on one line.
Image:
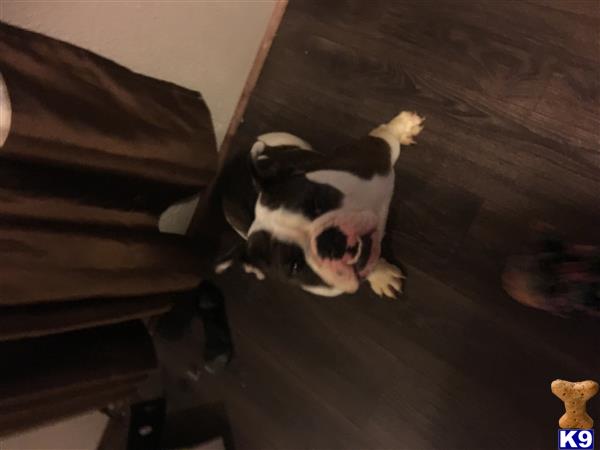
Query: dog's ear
[[269, 165]]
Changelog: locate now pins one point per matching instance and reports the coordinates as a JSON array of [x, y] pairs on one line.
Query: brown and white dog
[[318, 220]]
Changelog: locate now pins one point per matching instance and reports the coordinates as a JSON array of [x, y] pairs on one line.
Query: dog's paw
[[259, 274], [386, 279], [406, 126], [223, 266]]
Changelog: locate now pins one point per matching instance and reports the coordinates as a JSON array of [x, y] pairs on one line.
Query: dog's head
[[304, 231]]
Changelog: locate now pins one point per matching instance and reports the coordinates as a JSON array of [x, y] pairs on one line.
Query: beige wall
[[204, 45]]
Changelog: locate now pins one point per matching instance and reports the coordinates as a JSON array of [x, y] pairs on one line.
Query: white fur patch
[[256, 149], [323, 291], [222, 267], [5, 112], [281, 223], [277, 139], [255, 271]]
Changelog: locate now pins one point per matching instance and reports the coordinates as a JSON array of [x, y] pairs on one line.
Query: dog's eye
[[295, 267]]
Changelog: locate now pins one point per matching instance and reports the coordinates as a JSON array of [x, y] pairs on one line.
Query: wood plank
[[46, 379], [46, 414], [65, 263], [19, 322]]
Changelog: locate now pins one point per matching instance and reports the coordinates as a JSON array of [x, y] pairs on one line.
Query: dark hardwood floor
[[510, 90]]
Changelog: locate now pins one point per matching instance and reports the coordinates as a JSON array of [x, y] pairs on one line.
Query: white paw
[[386, 279], [405, 126], [255, 271], [222, 267]]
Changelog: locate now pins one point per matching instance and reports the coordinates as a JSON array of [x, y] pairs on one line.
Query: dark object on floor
[[207, 303], [146, 424], [556, 276], [218, 347]]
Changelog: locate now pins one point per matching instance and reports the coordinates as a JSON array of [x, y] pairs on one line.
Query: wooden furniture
[[94, 154]]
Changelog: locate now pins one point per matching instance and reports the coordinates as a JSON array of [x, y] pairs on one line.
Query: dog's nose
[[331, 243]]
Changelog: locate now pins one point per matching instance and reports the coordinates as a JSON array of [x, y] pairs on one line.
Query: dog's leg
[[402, 129], [218, 345], [385, 279]]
